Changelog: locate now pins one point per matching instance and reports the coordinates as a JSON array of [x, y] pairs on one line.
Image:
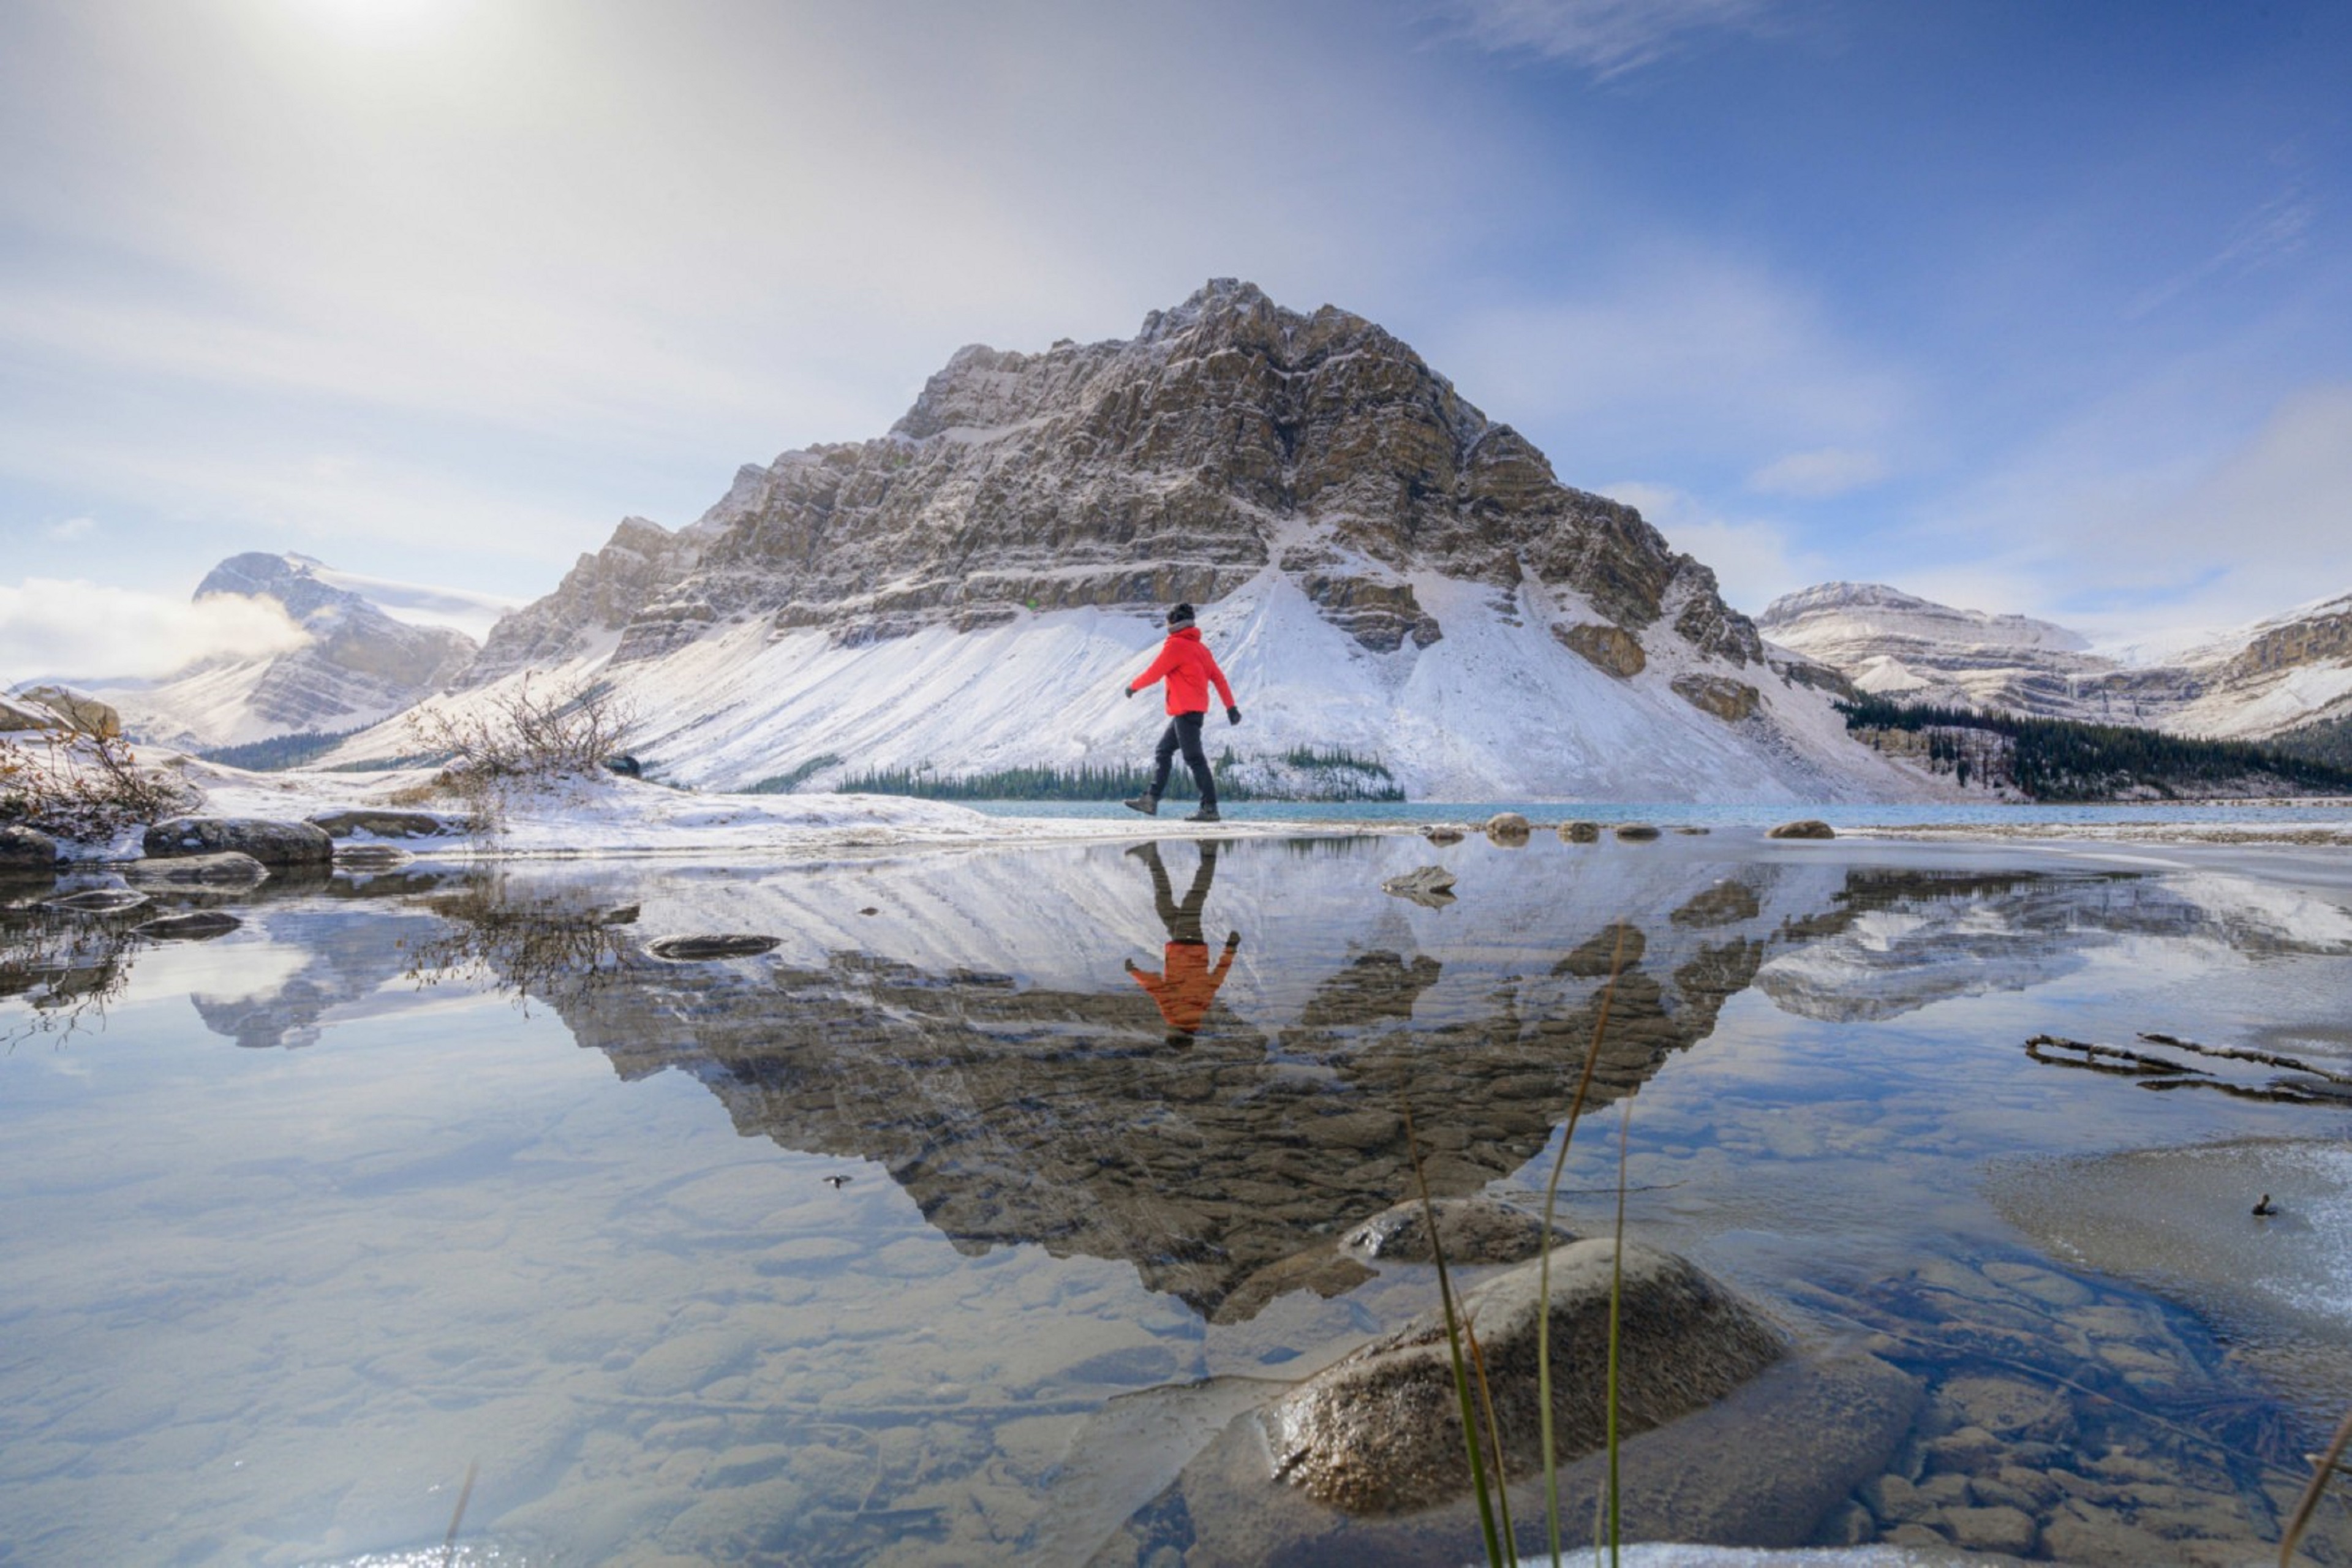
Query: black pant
[[1183, 730]]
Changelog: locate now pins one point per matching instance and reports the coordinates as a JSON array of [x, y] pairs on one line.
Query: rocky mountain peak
[[1229, 437]]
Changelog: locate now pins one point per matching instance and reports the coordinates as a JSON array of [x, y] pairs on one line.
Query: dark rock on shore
[[27, 849], [1636, 832], [1580, 832], [1442, 836], [269, 842], [1809, 827], [1380, 1431]]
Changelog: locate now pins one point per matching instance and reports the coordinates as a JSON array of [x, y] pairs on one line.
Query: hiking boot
[[1146, 804], [1206, 814]]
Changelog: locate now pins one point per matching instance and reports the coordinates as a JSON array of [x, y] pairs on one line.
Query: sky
[[2031, 308]]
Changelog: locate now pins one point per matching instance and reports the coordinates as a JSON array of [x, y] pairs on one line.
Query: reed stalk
[[1543, 1276], [1495, 1550], [2308, 1504]]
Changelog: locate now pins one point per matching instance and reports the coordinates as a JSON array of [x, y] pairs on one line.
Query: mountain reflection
[[981, 1027]]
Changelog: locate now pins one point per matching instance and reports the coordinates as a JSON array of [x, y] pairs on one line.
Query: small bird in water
[[837, 1182], [2265, 1207]]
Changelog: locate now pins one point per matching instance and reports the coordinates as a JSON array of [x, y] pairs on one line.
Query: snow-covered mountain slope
[[360, 665], [1380, 567], [2257, 682]]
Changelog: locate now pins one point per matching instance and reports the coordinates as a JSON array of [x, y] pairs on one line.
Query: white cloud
[[1606, 37], [71, 528], [51, 626], [1754, 559], [1818, 474]]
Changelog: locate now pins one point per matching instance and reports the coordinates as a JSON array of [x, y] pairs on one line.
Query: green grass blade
[[1616, 1295], [1495, 1554], [1543, 1267]]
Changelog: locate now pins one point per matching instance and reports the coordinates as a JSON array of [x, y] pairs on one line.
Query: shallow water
[[952, 1227]]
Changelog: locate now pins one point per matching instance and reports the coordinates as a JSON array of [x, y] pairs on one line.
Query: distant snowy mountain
[[2257, 682], [1380, 567], [361, 666]]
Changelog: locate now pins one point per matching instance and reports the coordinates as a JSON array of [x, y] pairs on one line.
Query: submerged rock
[[701, 949], [1429, 884], [231, 869], [1380, 1431], [96, 901], [1808, 827], [1636, 832], [1471, 1230], [1442, 836], [27, 849], [195, 925], [1580, 832], [269, 842], [371, 857]]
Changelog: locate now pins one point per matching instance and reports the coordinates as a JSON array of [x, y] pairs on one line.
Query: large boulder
[[1608, 648], [1810, 828], [1430, 885], [269, 842], [20, 714], [87, 715], [27, 849], [1380, 1431], [1508, 828], [1728, 699]]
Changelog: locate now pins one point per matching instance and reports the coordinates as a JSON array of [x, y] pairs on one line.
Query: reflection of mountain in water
[[1900, 940], [1015, 1108]]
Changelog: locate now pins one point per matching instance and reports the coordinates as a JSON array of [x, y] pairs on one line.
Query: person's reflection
[[1188, 986]]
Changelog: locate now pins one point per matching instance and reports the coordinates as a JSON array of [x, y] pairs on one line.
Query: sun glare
[[381, 22]]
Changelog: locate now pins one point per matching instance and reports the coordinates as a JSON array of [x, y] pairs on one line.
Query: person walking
[[1186, 664]]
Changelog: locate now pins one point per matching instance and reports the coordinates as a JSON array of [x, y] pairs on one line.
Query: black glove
[[1232, 940], [1233, 715], [1126, 692]]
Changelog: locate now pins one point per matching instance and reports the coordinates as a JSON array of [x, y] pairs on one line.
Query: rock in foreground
[[1430, 885], [27, 849], [1380, 1431], [1471, 1230]]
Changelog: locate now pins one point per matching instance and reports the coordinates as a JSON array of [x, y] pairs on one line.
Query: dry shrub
[[521, 738], [83, 786]]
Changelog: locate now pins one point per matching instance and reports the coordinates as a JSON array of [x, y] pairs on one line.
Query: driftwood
[[2164, 1072]]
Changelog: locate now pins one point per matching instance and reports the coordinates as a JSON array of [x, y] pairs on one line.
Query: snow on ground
[[1496, 710]]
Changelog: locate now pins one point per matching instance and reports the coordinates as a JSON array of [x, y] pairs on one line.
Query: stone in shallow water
[[1442, 835], [1380, 1431], [1809, 827], [1508, 828], [385, 823], [700, 949], [96, 901], [196, 925], [1430, 885], [1471, 1230], [230, 868], [27, 849], [1636, 832]]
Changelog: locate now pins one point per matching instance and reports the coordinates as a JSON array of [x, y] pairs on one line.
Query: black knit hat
[[1181, 615]]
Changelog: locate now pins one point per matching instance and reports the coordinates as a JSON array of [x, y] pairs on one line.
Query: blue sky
[[2027, 307]]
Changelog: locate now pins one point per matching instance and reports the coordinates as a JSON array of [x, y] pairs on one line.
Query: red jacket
[[1188, 989], [1189, 668]]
